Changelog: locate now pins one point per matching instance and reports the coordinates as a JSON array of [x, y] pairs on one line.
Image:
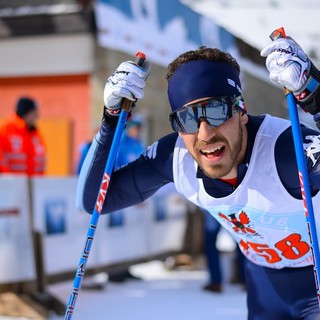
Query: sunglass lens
[[214, 111]]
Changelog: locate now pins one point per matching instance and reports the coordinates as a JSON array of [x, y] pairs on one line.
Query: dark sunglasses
[[215, 111]]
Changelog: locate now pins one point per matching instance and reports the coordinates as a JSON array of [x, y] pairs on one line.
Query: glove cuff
[[310, 87], [111, 116], [308, 96]]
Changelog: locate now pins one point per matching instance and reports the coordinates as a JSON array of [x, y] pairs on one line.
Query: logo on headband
[[233, 84]]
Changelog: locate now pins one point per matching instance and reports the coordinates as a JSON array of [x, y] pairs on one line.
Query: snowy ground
[[162, 294]]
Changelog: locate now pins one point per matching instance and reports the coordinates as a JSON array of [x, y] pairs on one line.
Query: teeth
[[212, 150]]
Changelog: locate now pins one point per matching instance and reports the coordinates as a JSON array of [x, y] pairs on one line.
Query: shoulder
[[10, 126], [156, 163], [170, 139], [162, 148], [285, 156], [286, 138]]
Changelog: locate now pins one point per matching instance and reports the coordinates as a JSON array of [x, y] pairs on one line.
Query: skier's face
[[219, 150]]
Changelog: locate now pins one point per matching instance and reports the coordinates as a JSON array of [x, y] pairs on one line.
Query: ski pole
[[126, 106], [303, 173]]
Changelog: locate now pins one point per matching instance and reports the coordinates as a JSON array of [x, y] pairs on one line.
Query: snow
[[162, 294]]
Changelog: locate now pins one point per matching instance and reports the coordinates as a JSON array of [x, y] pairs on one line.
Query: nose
[[206, 131]]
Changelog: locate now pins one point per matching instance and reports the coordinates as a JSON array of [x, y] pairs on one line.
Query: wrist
[[308, 96], [111, 116], [310, 87]]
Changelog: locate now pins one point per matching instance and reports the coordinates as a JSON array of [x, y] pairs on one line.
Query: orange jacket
[[22, 150]]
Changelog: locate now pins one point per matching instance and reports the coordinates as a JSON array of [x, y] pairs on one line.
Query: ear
[[244, 118]]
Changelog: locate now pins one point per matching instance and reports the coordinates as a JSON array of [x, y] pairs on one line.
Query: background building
[[61, 51]]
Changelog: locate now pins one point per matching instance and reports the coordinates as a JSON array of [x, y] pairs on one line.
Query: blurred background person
[[22, 149], [131, 145], [212, 254], [238, 274]]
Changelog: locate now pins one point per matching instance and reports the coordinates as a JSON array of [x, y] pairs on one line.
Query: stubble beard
[[220, 170]]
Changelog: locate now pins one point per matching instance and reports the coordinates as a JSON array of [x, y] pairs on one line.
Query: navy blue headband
[[201, 79]]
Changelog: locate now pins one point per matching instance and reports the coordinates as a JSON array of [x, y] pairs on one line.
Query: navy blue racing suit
[[272, 294]]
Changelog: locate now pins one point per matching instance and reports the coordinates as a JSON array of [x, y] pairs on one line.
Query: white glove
[[287, 63], [127, 82]]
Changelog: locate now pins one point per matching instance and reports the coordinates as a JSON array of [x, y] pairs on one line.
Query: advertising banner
[[16, 246], [162, 29], [138, 232], [62, 225]]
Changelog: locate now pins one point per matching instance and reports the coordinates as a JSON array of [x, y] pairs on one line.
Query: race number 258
[[290, 247]]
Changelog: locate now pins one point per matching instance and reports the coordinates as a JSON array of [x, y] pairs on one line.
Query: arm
[[123, 88], [284, 151], [130, 184]]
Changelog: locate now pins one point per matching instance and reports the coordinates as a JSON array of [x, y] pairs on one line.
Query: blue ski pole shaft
[[123, 117], [303, 174], [95, 217], [305, 186]]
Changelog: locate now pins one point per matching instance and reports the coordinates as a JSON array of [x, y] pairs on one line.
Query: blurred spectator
[[238, 274], [131, 145], [22, 149], [212, 254]]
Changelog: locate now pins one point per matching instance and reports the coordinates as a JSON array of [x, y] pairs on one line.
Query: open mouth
[[212, 152]]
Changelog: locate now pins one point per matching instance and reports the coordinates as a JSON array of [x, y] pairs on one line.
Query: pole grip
[[126, 104], [278, 33]]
